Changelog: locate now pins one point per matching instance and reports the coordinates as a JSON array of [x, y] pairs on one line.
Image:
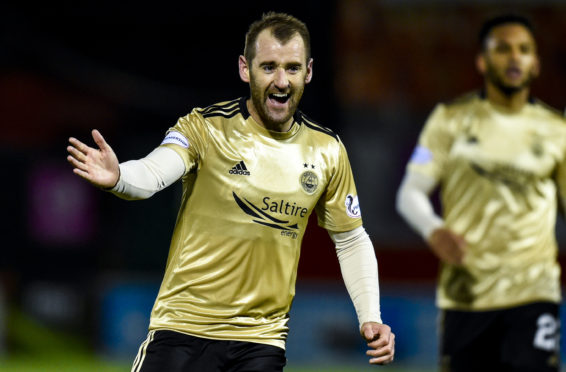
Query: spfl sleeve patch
[[176, 138]]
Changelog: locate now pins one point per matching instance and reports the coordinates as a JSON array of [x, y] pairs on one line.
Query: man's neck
[[514, 101], [275, 128]]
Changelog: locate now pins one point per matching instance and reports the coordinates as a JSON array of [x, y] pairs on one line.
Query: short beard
[[268, 121], [507, 90]]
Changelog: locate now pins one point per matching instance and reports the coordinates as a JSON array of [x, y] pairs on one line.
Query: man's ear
[[480, 63], [244, 69], [308, 78]]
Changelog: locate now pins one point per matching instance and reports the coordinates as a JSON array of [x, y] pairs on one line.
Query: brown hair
[[283, 28]]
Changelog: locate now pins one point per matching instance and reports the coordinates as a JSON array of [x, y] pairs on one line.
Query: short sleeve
[[338, 209], [434, 145], [188, 138]]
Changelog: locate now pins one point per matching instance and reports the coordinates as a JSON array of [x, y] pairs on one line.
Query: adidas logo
[[240, 169]]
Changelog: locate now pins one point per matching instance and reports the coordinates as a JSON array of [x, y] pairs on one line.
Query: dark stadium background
[[79, 268]]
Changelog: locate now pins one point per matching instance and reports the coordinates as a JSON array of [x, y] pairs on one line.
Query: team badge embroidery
[[309, 182], [352, 206]]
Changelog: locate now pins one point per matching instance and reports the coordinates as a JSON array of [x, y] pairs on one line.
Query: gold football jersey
[[247, 197], [499, 172]]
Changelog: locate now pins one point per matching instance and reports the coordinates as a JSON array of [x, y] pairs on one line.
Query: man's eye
[[294, 68], [267, 68], [526, 49]]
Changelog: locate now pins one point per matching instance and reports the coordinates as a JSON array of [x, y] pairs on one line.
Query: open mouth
[[280, 97], [513, 72]]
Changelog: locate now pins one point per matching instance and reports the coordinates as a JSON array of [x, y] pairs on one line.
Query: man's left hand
[[381, 341]]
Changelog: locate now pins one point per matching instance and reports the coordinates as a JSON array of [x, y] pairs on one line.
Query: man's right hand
[[98, 166], [447, 246]]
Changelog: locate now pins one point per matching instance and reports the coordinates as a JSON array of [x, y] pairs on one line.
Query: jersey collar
[[269, 133]]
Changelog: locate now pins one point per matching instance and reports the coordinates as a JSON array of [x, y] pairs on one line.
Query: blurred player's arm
[[359, 269], [414, 205], [132, 180]]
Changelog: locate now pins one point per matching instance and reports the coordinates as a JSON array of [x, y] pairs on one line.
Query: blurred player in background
[[253, 170], [497, 156]]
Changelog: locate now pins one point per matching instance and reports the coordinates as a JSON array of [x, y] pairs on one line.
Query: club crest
[[309, 182]]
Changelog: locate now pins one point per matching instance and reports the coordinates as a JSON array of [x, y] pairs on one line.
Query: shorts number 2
[[547, 335]]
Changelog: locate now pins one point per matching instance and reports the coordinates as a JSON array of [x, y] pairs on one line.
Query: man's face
[[509, 60], [277, 76]]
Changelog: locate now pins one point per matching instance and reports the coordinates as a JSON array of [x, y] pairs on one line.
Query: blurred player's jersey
[[499, 172], [246, 201]]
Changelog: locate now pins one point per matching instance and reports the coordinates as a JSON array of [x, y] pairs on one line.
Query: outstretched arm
[[359, 270], [96, 165], [132, 180], [140, 179]]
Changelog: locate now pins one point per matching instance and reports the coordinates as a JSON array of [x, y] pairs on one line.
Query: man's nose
[[281, 81], [515, 54]]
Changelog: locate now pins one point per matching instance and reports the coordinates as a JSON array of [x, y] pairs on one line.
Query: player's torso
[[500, 167], [498, 192], [513, 149], [236, 245], [256, 182]]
